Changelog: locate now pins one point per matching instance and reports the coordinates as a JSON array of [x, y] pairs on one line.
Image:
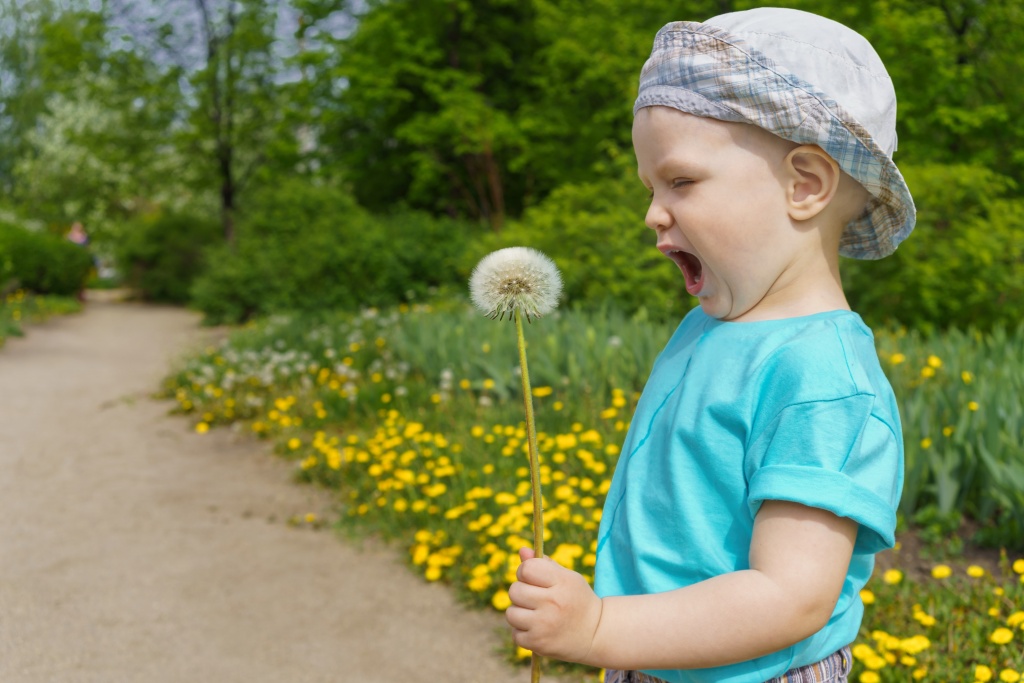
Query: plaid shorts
[[833, 669]]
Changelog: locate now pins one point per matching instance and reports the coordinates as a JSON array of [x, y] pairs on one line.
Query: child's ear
[[812, 181]]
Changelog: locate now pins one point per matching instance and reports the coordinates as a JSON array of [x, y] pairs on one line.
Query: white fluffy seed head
[[515, 279]]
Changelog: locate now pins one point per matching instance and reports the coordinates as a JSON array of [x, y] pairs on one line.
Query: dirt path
[[132, 549]]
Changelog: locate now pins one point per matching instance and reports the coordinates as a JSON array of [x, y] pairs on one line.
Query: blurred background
[[250, 156]]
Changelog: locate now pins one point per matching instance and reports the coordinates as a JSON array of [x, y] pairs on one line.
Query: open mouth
[[692, 268]]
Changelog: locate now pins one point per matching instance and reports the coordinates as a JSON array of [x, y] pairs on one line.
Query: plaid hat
[[804, 78]]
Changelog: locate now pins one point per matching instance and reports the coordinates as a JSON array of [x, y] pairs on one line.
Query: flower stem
[[531, 434]]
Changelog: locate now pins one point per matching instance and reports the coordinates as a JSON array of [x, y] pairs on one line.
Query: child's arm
[[799, 557]]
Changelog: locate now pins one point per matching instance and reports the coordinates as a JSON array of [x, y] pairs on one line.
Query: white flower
[[515, 279]]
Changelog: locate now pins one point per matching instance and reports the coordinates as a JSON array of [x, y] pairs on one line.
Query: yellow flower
[[294, 443], [982, 673], [927, 371], [941, 571], [523, 653], [1018, 566], [501, 601], [875, 663], [867, 597], [541, 392], [862, 651], [975, 572], [966, 377], [1009, 676], [947, 431], [1016, 619], [926, 442], [202, 428], [924, 619], [869, 677], [892, 576], [919, 673], [972, 405], [1001, 636], [488, 383], [897, 358], [934, 361], [310, 517]]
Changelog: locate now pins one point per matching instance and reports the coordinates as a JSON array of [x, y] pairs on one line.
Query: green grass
[[414, 417], [20, 308]]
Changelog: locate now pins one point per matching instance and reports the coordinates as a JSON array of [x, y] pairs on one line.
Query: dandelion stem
[[531, 434]]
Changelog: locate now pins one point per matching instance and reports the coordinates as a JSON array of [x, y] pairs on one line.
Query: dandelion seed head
[[515, 279]]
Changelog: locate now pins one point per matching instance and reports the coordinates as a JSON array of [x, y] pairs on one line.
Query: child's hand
[[554, 611]]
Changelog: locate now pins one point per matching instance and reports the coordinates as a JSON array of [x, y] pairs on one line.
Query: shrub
[[309, 247], [161, 254], [962, 266], [41, 262], [596, 235]]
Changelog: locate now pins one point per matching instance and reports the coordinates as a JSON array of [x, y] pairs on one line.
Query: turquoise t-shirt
[[735, 414]]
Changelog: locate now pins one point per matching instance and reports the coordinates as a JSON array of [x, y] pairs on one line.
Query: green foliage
[[962, 426], [594, 232], [962, 266], [309, 247], [950, 626], [19, 308], [41, 262], [452, 369], [414, 416], [161, 254]]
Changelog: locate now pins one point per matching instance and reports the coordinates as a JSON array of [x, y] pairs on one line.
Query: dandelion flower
[[892, 576], [1009, 676], [975, 572], [515, 279], [1018, 566], [1001, 636], [941, 571], [501, 601], [867, 597], [982, 673]]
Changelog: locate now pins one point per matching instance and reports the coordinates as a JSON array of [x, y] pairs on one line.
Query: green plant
[[309, 247], [161, 254], [963, 266], [42, 263]]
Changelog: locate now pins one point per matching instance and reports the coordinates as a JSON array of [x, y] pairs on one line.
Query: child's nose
[[657, 217]]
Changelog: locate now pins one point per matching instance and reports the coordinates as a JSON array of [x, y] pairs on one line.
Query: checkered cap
[[804, 78]]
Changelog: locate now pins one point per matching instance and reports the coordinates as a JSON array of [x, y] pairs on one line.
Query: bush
[[162, 254], [962, 266], [41, 262], [310, 247], [596, 235]]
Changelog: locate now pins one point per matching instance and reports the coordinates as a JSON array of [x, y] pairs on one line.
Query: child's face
[[720, 209]]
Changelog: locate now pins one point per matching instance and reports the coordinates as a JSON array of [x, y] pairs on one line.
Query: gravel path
[[133, 549]]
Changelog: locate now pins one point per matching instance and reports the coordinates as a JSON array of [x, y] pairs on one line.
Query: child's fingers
[[526, 596], [539, 572], [526, 554]]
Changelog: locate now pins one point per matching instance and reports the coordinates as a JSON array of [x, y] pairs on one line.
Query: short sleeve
[[839, 455]]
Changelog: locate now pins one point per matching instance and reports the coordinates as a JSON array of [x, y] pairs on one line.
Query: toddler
[[764, 463]]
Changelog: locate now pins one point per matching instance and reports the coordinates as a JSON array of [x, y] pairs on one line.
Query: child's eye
[[680, 182]]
